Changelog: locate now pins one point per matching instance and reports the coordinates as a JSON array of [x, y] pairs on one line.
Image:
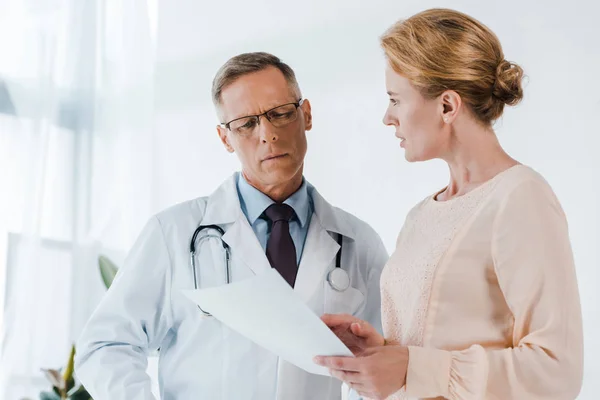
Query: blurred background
[[106, 118]]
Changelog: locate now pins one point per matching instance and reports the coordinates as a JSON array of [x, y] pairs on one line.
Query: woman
[[480, 298]]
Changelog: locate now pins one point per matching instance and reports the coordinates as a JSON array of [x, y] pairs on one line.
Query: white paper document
[[266, 310]]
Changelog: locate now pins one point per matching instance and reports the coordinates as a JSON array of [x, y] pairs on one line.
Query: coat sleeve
[[133, 318]]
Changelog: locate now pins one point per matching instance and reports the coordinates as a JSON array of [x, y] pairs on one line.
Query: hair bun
[[508, 85]]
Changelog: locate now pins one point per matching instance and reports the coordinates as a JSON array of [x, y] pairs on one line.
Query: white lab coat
[[200, 358]]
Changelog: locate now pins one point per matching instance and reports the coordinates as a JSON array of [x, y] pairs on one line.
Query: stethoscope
[[338, 278]]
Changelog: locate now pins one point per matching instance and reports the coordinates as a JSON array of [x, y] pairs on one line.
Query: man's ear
[[222, 131], [307, 115]]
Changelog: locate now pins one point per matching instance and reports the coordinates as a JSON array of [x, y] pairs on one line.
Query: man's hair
[[248, 63]]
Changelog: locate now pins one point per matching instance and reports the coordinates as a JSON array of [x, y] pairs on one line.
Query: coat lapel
[[245, 247], [321, 247], [223, 209], [319, 253]]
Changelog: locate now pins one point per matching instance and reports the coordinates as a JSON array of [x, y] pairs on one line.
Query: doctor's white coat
[[200, 358]]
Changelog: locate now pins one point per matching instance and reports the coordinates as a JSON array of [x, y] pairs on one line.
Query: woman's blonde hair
[[441, 49]]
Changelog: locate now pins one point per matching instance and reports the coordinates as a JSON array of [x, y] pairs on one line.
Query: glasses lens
[[283, 115], [243, 126]]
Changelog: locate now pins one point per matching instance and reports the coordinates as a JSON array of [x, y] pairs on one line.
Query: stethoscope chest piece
[[338, 279]]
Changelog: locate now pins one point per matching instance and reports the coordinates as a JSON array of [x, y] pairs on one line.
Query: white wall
[[353, 159]]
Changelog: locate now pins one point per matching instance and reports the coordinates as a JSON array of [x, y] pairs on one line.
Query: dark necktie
[[281, 251]]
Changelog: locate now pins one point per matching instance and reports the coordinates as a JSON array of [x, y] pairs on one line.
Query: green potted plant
[[63, 382]]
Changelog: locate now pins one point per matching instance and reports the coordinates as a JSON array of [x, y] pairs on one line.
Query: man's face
[[271, 152]]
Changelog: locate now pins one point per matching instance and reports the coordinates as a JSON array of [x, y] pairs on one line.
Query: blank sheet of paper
[[266, 310]]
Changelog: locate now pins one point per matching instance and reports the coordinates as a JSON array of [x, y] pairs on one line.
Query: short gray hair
[[248, 63]]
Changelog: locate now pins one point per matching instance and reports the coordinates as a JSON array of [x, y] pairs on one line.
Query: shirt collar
[[253, 202]]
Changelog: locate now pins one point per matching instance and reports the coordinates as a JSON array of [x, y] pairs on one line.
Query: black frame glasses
[[269, 115]]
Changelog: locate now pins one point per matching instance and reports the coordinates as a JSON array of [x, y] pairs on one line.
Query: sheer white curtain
[[76, 177]]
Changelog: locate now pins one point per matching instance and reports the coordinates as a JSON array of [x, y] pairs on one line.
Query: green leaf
[[49, 396], [108, 270], [68, 373], [69, 384], [79, 394]]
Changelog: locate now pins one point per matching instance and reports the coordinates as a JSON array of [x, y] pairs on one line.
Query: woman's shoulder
[[523, 188], [523, 180], [417, 208]]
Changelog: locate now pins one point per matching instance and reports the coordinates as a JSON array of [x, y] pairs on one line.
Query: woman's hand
[[355, 333], [376, 374]]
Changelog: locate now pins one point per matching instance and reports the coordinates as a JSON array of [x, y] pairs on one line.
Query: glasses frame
[[227, 125]]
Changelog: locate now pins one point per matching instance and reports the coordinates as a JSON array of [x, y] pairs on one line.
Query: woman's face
[[418, 121]]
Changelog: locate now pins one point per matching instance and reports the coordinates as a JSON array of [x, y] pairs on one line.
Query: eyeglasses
[[279, 116]]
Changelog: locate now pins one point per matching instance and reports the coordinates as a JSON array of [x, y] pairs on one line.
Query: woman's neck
[[475, 157]]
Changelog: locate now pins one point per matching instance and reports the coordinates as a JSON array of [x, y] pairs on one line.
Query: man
[[271, 217]]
